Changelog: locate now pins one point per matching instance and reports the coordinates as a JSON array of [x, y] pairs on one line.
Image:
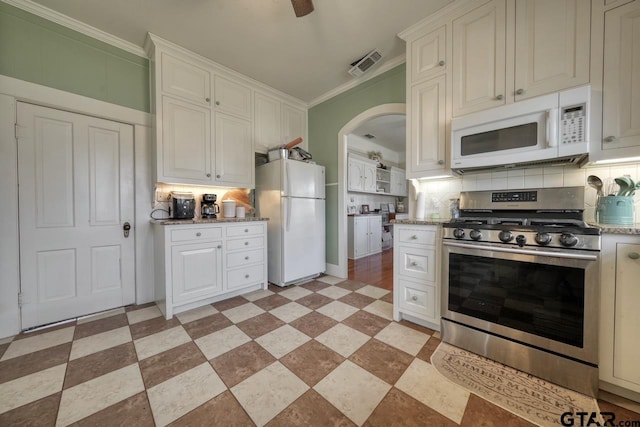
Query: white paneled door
[[76, 196]]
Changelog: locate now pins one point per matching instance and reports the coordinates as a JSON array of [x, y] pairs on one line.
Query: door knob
[[125, 228], [634, 255]]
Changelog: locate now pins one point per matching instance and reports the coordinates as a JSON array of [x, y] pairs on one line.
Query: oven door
[[541, 297]]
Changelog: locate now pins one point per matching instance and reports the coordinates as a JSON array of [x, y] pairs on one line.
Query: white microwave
[[549, 129]]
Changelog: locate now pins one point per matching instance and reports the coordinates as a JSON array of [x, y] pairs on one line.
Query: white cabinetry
[[234, 165], [232, 97], [277, 122], [202, 263], [184, 80], [361, 174], [416, 289], [398, 184], [364, 235], [619, 315]]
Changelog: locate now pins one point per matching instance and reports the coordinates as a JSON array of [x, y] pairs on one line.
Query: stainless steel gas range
[[521, 283]]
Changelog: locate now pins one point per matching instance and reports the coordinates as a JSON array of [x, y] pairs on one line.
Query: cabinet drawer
[[245, 230], [248, 243], [417, 263], [417, 298], [237, 259], [245, 276], [204, 233], [418, 236]]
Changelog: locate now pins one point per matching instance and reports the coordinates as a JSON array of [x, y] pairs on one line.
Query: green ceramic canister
[[617, 210]]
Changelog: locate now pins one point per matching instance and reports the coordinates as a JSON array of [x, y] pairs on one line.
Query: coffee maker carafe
[[209, 208]]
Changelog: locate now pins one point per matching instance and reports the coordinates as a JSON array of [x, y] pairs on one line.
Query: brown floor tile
[[138, 307], [229, 303], [479, 412], [207, 325], [383, 361], [427, 350], [352, 285], [310, 409], [42, 413], [357, 300], [168, 364], [3, 348], [366, 323], [101, 325], [398, 409], [313, 324], [222, 410], [52, 328], [33, 362], [312, 361], [240, 363], [134, 411], [621, 414], [100, 363], [152, 326], [315, 285], [271, 302], [417, 327], [259, 325], [276, 289], [388, 298], [314, 301]]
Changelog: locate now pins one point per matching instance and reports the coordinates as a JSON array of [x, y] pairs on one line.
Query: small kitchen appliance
[[208, 207], [183, 205], [229, 208]]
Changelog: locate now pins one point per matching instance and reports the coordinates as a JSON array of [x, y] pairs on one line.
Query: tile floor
[[325, 353]]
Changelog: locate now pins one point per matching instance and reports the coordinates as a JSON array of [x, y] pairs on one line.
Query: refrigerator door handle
[[288, 214], [287, 184]]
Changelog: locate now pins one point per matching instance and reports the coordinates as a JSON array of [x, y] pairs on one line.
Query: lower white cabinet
[[202, 263], [365, 235], [619, 315], [416, 288]]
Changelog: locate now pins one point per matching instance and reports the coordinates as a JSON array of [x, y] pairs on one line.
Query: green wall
[[326, 120], [42, 52]]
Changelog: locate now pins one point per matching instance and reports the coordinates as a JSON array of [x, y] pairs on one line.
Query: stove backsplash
[[439, 192]]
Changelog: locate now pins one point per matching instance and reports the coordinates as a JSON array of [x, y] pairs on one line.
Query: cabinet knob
[[198, 234], [219, 247], [441, 162], [246, 258], [414, 237], [415, 298], [610, 138], [218, 176], [246, 230], [208, 175], [441, 63], [413, 263], [246, 243], [208, 100], [499, 97], [519, 91], [217, 102], [634, 255], [246, 276]]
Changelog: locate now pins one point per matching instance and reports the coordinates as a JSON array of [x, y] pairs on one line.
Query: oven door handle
[[524, 251]]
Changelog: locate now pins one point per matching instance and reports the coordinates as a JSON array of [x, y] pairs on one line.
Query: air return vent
[[363, 64]]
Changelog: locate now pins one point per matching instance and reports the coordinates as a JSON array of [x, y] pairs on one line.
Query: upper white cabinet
[[398, 184], [277, 122], [184, 79], [233, 141], [361, 174], [232, 97], [428, 55]]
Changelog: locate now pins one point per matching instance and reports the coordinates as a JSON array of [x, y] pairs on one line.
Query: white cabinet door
[[369, 180], [184, 79], [355, 174], [185, 148], [232, 97], [196, 271], [267, 122], [428, 55], [398, 183], [233, 151], [361, 236], [293, 123], [375, 234]]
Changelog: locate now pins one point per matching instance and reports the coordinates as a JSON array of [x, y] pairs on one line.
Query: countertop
[[420, 221], [204, 221]]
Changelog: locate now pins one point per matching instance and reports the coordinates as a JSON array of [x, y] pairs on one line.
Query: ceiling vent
[[360, 66]]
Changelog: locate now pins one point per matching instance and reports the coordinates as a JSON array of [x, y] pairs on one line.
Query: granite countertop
[[414, 221], [171, 221], [618, 229], [366, 214]]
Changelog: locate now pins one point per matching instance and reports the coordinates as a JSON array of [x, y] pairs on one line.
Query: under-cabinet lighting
[[435, 177], [623, 160]]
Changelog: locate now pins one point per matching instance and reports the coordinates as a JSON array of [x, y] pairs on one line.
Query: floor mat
[[532, 398]]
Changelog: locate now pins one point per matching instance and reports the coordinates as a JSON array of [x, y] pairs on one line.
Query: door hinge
[[20, 299], [20, 131]]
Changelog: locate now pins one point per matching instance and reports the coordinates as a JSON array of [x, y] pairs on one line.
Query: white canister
[[420, 205], [240, 212], [229, 208]]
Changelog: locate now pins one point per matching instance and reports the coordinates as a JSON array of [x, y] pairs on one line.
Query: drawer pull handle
[[413, 263], [634, 255], [415, 298], [246, 230], [198, 234], [246, 258], [414, 237], [246, 243], [246, 276]]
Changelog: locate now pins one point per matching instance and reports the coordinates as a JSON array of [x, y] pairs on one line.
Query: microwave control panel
[[573, 124]]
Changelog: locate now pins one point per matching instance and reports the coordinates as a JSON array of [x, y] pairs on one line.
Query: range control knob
[[568, 240], [475, 235], [543, 238], [521, 240], [458, 233], [505, 236]]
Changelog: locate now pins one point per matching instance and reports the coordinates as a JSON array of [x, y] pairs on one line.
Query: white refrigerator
[[291, 194]]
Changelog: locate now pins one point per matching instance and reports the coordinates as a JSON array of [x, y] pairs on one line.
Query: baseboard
[[619, 396], [334, 270]]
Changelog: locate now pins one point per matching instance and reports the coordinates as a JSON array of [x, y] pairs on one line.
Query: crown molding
[[74, 24], [386, 66]]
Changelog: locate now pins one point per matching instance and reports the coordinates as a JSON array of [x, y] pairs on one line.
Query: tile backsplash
[[439, 192]]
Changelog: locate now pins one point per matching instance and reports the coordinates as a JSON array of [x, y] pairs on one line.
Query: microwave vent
[[572, 160]]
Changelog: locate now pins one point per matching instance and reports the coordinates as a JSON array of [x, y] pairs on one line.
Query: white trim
[[371, 113], [334, 270], [427, 24], [386, 66], [74, 24]]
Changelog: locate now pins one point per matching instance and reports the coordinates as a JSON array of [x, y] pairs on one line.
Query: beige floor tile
[[92, 396], [196, 313], [219, 342], [175, 397], [6, 340], [38, 342], [99, 316], [284, 388], [422, 382], [353, 390], [98, 342], [437, 335], [290, 312], [332, 280], [380, 308], [373, 291], [161, 341], [343, 339], [334, 292], [259, 294], [30, 388], [282, 340], [295, 292], [143, 314], [337, 310], [403, 338], [242, 312]]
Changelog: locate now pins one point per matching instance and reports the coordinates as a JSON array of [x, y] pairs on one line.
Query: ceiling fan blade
[[302, 7]]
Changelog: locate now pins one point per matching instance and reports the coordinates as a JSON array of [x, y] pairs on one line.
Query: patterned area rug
[[532, 398]]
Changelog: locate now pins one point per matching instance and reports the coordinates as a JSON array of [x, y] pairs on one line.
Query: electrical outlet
[[162, 196]]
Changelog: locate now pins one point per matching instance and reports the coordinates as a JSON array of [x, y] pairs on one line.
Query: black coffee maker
[[208, 207]]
